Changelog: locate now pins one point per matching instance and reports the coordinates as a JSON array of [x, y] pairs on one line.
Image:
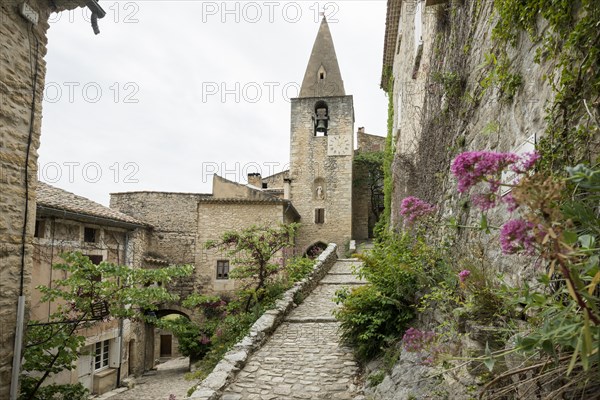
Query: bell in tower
[[321, 119]]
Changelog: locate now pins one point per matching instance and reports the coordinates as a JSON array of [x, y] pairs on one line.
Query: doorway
[[166, 345]]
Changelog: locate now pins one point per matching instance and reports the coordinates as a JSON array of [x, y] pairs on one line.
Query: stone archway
[[161, 344], [315, 249]]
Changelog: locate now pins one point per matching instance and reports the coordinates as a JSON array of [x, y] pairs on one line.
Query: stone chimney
[[255, 179], [286, 188]]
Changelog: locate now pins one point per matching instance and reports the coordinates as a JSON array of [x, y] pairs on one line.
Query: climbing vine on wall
[[388, 157], [572, 43]]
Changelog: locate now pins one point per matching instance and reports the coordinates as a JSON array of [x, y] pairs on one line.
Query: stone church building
[[322, 190]]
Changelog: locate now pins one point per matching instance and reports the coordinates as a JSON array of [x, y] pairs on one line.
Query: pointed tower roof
[[322, 76]]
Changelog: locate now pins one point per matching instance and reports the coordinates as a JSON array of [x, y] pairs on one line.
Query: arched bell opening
[[321, 118]]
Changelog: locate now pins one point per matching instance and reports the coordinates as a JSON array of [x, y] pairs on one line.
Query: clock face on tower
[[338, 145]]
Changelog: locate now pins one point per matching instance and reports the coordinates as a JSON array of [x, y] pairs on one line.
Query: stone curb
[[211, 388]]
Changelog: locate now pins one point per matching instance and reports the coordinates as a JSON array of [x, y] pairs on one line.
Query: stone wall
[[312, 166], [18, 42], [172, 241], [217, 217], [441, 108], [369, 143]]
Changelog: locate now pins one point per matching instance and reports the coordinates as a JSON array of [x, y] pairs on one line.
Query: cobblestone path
[[303, 359], [158, 385]]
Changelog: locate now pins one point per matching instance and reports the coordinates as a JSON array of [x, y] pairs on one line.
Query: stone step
[[311, 320], [342, 279]]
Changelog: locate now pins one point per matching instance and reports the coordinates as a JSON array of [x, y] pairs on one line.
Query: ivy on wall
[[388, 156], [572, 44]]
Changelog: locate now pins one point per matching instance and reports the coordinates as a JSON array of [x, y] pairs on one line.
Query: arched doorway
[[165, 342]]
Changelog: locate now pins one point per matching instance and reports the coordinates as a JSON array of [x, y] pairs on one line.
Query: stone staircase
[[303, 359]]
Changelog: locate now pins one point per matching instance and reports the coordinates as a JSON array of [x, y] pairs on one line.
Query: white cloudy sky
[[150, 103]]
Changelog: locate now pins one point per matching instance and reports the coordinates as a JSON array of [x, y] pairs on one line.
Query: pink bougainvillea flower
[[415, 340], [526, 162], [511, 203]]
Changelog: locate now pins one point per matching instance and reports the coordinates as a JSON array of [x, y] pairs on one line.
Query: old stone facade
[[183, 223], [66, 222], [435, 53], [22, 74], [322, 149]]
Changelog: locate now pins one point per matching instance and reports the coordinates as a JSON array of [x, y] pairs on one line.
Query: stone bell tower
[[322, 150]]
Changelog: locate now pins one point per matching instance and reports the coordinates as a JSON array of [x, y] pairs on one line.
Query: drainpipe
[[16, 367], [126, 262]]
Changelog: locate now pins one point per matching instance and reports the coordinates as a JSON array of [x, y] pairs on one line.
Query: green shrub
[[298, 268], [399, 269], [368, 318]]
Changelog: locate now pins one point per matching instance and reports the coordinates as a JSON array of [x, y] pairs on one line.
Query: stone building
[[318, 190], [367, 189], [22, 73], [184, 222], [67, 222]]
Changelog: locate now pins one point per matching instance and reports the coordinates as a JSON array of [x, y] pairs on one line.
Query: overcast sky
[[171, 91]]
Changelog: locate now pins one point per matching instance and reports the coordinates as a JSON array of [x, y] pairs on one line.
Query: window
[[40, 228], [319, 215], [322, 73], [90, 235], [223, 269], [95, 260], [265, 185], [101, 355]]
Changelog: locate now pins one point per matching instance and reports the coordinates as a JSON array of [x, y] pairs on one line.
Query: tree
[[252, 250], [87, 296]]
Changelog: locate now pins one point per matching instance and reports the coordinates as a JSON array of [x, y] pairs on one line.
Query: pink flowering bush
[[517, 235], [463, 275], [412, 209], [423, 342], [473, 167], [415, 340]]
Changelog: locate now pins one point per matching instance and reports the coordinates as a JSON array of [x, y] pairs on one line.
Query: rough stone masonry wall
[[441, 109], [216, 218], [174, 219], [309, 161], [17, 42]]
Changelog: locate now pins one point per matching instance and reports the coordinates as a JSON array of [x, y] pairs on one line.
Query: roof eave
[[89, 218]]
